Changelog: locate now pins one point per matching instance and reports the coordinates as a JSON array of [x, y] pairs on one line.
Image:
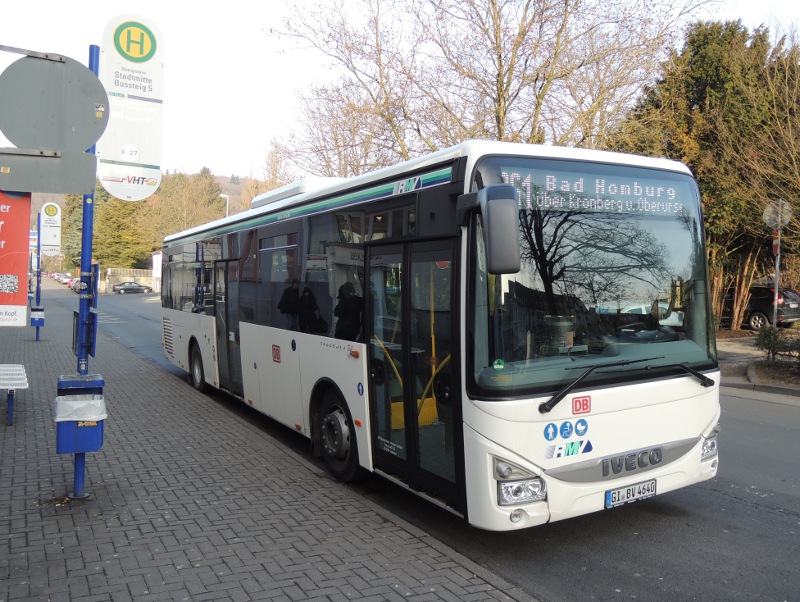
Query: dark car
[[131, 287], [758, 312]]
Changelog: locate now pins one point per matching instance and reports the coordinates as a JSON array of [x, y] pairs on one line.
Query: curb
[[769, 388]]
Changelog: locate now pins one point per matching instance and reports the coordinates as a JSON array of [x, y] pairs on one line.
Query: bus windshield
[[613, 273]]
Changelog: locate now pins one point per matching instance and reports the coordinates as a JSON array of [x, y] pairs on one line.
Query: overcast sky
[[231, 87]]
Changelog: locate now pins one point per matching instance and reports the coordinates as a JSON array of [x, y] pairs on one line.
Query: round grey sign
[[777, 214], [51, 105]]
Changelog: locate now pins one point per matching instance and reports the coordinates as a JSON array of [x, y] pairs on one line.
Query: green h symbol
[[131, 42]]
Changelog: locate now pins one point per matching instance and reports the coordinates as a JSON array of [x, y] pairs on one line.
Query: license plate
[[631, 493], [793, 305]]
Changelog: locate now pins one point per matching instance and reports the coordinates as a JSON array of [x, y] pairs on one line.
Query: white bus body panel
[[178, 327], [643, 416], [278, 385]]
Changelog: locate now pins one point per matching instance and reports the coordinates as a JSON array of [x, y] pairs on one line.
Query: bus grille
[[167, 330]]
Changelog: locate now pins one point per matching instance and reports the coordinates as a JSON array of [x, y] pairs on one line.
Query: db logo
[[276, 354], [581, 405]]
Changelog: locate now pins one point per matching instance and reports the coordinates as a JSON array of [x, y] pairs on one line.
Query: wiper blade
[[704, 380], [546, 406]]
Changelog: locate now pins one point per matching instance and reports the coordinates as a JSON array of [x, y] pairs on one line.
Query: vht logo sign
[[581, 405]]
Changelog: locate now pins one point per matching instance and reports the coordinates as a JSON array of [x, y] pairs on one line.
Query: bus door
[[413, 366], [226, 301]]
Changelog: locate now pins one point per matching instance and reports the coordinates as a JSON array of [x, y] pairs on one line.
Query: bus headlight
[[516, 485], [710, 444], [512, 493]]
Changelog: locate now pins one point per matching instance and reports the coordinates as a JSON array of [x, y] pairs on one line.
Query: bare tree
[[425, 74], [341, 134]]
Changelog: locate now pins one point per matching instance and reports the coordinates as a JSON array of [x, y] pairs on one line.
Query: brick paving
[[190, 502]]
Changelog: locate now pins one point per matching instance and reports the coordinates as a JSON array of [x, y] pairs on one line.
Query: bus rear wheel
[[197, 375], [339, 448]]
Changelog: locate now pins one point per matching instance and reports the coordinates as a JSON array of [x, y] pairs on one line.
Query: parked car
[[674, 319], [131, 287], [758, 312]]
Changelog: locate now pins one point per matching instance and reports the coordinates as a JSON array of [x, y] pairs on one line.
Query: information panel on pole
[[132, 71], [51, 229]]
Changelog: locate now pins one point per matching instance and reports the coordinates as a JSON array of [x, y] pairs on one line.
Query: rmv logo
[[571, 448], [407, 185]]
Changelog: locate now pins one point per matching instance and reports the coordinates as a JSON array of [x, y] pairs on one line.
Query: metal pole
[[777, 280], [85, 292], [80, 469], [38, 296], [10, 416]]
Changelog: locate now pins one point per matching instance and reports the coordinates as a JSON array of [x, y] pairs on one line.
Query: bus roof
[[309, 189]]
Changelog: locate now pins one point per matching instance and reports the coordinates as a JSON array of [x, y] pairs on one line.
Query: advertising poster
[[15, 224]]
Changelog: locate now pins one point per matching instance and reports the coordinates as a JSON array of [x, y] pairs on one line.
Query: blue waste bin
[[79, 423], [37, 316]]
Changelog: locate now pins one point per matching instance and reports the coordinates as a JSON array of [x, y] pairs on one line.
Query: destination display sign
[[631, 191]]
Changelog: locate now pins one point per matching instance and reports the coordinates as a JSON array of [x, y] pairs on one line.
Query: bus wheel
[[197, 374], [339, 448]]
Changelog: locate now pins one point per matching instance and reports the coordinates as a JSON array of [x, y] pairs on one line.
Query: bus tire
[[197, 375], [339, 448]]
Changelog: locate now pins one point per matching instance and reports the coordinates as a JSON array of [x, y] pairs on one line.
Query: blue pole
[[80, 469], [10, 417], [38, 297], [86, 293]]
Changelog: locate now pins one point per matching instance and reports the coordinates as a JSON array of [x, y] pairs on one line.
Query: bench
[[12, 377]]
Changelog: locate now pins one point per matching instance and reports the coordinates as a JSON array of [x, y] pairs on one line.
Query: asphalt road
[[734, 538]]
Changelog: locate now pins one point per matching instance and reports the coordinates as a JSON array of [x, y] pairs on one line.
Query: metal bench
[[12, 377]]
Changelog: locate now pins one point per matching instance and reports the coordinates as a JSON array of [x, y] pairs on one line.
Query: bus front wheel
[[339, 449], [196, 372]]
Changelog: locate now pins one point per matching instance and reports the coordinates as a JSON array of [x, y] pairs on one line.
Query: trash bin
[[79, 423], [37, 316]]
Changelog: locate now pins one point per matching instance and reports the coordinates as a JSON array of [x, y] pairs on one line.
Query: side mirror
[[499, 205]]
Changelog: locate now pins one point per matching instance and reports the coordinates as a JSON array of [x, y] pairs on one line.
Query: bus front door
[[226, 301], [414, 392]]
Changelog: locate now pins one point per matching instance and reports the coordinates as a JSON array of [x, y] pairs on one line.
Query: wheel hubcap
[[336, 434]]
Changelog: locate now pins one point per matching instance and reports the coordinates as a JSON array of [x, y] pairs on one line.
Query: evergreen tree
[[702, 100], [118, 236]]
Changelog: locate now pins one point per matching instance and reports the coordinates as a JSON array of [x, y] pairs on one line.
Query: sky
[[231, 85]]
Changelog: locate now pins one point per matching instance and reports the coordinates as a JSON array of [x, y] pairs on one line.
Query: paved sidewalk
[[189, 502]]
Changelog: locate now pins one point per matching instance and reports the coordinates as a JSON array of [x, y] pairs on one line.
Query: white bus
[[477, 331]]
